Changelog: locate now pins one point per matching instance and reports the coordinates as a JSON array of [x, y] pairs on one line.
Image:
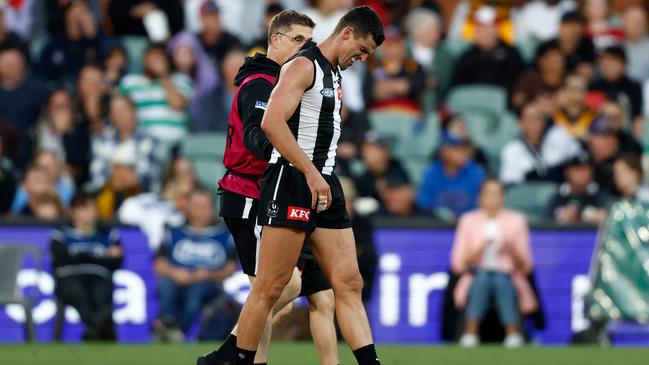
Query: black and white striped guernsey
[[316, 121]]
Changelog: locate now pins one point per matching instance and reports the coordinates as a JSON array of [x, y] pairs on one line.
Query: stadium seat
[[531, 199], [393, 125], [456, 46], [203, 145], [489, 99], [421, 142], [135, 47], [209, 171], [527, 49], [415, 168]]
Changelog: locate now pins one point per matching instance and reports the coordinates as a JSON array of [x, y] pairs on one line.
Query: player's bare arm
[[296, 76]]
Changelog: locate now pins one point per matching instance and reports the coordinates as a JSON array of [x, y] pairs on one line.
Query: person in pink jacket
[[492, 254]]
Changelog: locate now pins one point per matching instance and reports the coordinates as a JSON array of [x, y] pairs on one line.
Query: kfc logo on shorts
[[298, 214]]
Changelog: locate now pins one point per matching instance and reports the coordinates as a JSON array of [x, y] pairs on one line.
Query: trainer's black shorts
[[286, 201], [313, 279], [245, 231]]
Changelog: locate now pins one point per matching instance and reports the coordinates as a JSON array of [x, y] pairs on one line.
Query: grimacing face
[[354, 48]]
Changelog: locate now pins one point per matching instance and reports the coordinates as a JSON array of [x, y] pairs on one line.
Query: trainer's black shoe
[[212, 358]]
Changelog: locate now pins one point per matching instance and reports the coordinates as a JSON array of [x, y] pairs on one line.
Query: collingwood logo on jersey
[[273, 209], [327, 92]]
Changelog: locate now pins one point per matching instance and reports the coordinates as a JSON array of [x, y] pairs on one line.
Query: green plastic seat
[[204, 145], [478, 98], [531, 198], [135, 47]]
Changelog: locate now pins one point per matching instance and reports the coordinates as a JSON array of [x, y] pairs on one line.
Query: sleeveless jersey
[[315, 124]]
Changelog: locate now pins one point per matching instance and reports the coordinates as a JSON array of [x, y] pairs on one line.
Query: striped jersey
[[315, 124], [154, 114]]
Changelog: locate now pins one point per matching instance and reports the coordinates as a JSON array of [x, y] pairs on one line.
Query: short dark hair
[[633, 162], [615, 52], [81, 198], [285, 19], [365, 23]]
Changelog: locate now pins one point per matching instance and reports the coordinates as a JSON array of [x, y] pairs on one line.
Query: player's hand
[[320, 191]]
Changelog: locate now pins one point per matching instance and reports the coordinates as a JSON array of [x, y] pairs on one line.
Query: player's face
[[355, 48], [289, 42]]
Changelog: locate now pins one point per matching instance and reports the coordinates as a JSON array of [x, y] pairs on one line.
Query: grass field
[[304, 354]]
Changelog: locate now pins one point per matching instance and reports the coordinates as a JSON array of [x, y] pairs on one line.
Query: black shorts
[[245, 231], [286, 201], [313, 279]]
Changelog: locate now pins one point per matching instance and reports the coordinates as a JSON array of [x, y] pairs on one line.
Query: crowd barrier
[[405, 307]]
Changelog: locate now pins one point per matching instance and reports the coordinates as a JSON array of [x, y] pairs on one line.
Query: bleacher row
[[414, 140]]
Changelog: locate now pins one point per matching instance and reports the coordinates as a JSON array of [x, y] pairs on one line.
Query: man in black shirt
[[215, 40], [489, 60], [84, 257], [617, 86]]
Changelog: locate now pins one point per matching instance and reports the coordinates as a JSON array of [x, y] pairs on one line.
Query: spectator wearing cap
[[618, 87], [161, 97], [384, 179], [604, 147], [21, 96], [572, 112], [189, 58], [425, 30], [64, 55], [615, 113], [579, 199], [455, 124], [539, 151], [539, 20], [122, 184], [636, 42], [600, 24], [544, 79], [122, 131], [216, 41], [451, 183], [466, 24], [577, 49], [489, 60], [260, 45], [394, 80]]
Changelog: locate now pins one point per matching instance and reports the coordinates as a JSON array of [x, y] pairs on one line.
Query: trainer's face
[[354, 48], [289, 42]]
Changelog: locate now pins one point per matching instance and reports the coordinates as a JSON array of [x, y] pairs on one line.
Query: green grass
[[304, 354]]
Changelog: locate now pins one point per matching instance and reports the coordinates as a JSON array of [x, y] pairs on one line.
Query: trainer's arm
[[253, 99], [296, 76]]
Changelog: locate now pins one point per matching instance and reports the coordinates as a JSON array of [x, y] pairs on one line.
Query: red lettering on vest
[[298, 214]]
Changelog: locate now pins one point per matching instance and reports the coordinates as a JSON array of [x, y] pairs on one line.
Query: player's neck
[[328, 50], [271, 55]]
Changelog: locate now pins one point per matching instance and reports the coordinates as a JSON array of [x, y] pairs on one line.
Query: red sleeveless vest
[[244, 168]]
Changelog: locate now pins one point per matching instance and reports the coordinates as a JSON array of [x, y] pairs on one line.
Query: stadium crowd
[[106, 97]]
